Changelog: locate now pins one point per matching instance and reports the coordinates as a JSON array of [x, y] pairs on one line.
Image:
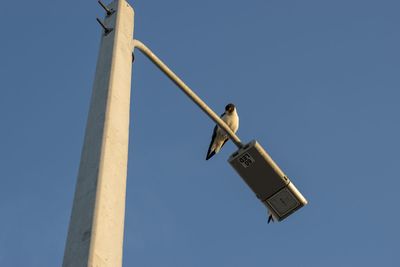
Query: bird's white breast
[[232, 120]]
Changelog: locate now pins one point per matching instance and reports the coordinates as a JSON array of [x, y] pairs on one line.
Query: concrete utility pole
[[96, 229]]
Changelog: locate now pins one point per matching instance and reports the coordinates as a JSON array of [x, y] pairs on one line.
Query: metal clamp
[[106, 30], [108, 11]]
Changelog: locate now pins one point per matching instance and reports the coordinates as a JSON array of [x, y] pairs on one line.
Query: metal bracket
[[108, 11], [106, 30]]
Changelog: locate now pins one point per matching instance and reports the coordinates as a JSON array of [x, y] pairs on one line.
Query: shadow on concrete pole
[[96, 229]]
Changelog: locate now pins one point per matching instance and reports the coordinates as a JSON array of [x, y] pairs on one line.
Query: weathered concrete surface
[[95, 234]]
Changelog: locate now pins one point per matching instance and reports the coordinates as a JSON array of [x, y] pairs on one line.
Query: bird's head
[[230, 108]]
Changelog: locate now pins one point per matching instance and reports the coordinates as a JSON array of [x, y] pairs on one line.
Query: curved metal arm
[[164, 68]]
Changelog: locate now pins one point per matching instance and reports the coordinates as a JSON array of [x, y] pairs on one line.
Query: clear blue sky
[[315, 82]]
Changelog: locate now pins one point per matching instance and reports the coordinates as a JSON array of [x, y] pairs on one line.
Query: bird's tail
[[210, 154]]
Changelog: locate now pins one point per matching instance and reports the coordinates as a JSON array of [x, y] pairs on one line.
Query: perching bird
[[219, 137]]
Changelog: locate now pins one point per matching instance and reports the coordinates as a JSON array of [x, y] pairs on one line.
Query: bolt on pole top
[[108, 11]]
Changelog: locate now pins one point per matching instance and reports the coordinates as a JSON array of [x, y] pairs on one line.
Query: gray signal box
[[267, 180]]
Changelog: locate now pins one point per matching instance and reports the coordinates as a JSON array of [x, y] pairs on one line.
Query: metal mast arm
[[197, 100]]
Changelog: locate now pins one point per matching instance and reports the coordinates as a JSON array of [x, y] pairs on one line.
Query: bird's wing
[[209, 152]]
